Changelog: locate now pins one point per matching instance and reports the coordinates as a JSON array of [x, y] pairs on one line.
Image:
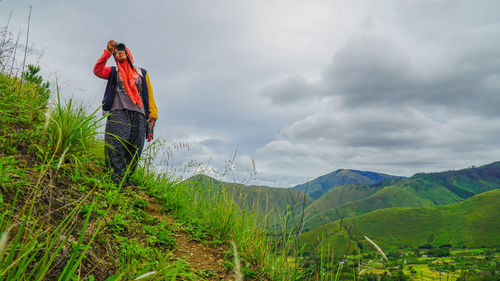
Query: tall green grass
[[44, 248], [213, 212], [70, 133], [208, 207], [30, 241], [31, 254], [20, 116]]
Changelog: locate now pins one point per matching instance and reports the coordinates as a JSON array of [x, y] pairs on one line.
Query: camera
[[120, 47]]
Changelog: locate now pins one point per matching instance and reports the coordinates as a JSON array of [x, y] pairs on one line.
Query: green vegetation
[[471, 223], [387, 197], [335, 204], [420, 190], [338, 196], [268, 202], [474, 264], [429, 231]]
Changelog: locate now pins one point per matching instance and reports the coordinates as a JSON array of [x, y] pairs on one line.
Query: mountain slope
[[325, 209], [420, 190], [262, 199], [464, 183], [319, 186], [471, 223], [387, 197]]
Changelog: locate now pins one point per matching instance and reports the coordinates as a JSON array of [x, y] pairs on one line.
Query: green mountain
[[387, 197], [463, 183], [319, 186], [470, 223], [325, 209], [261, 199], [420, 190]]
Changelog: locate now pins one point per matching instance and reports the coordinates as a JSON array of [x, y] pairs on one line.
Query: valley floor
[[468, 262]]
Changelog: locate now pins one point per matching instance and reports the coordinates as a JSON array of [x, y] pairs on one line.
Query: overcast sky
[[303, 87]]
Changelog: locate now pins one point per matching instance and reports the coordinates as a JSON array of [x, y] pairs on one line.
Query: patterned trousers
[[125, 135]]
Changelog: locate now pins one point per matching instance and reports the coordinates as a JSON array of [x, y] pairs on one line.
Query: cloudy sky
[[303, 87]]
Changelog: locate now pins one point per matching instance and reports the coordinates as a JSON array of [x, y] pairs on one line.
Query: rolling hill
[[387, 197], [261, 199], [470, 223], [319, 186], [420, 190], [328, 207]]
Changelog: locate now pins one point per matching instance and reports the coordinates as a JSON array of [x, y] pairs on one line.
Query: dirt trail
[[203, 257]]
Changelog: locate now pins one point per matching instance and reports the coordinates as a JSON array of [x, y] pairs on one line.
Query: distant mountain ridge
[[321, 185], [468, 182], [420, 190], [471, 223]]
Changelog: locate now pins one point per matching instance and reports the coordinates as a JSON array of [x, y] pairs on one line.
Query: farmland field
[[461, 262]]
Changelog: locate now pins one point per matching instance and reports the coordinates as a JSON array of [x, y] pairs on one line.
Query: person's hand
[[151, 122], [111, 46]]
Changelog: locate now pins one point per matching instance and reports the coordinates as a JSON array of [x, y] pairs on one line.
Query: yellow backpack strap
[[153, 110]]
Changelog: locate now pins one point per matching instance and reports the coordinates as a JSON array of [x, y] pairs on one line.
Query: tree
[[430, 238]]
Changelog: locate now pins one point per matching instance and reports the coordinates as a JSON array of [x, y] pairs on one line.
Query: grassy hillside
[[341, 195], [464, 183], [387, 197], [471, 223], [261, 199], [319, 186], [328, 207]]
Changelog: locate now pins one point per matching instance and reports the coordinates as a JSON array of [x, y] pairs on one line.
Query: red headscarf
[[129, 75]]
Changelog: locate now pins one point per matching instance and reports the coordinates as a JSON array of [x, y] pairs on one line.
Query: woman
[[129, 98]]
